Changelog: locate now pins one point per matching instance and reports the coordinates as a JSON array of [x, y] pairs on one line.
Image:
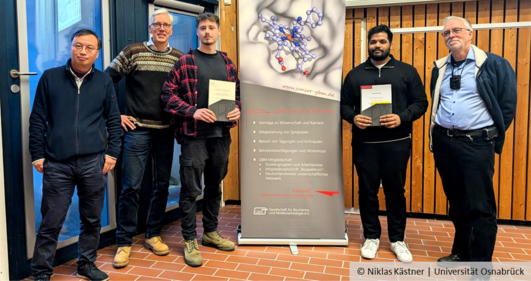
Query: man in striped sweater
[[145, 66]]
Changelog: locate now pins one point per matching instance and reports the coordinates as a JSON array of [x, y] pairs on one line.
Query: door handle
[[15, 74]]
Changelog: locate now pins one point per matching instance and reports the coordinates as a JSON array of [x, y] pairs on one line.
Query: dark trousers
[[466, 167], [59, 181], [208, 157], [386, 162], [139, 144]]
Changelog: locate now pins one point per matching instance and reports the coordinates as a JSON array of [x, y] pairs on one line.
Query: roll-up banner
[[291, 54]]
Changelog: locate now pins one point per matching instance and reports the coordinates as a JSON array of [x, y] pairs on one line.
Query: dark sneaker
[[42, 277], [215, 240], [192, 256], [89, 271], [452, 261]]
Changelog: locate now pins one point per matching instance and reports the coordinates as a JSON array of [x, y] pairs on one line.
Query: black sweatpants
[[386, 162]]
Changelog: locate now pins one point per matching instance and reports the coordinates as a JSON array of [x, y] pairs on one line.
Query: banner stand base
[[296, 241]]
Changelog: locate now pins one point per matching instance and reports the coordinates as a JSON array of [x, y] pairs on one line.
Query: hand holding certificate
[[376, 103], [221, 100]]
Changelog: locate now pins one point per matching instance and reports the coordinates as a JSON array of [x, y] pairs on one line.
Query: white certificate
[[376, 102], [221, 98]]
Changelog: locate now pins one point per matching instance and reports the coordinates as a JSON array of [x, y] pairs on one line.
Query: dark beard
[[381, 57]]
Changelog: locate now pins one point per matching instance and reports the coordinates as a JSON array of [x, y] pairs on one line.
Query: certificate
[[376, 102], [221, 98]]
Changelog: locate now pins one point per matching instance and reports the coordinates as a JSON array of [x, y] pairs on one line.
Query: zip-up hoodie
[[68, 121], [409, 99], [496, 85]]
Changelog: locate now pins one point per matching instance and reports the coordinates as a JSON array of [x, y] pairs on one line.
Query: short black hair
[[82, 32], [206, 16], [381, 28]]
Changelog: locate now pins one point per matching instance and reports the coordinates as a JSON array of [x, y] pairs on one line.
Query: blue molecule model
[[283, 38], [296, 44], [281, 29], [299, 18]]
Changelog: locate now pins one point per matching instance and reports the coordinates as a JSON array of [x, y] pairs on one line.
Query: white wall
[[4, 265]]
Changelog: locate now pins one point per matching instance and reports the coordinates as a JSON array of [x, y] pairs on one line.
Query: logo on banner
[[260, 211]]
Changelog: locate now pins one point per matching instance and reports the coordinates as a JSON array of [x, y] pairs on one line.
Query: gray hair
[[465, 21], [158, 12]]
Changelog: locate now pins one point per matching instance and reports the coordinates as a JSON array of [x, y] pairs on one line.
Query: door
[[44, 35]]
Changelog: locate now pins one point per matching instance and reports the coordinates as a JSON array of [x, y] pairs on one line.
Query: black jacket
[[409, 99], [65, 122], [496, 85]]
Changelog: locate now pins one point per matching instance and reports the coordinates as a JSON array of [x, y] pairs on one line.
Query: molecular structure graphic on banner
[[292, 38]]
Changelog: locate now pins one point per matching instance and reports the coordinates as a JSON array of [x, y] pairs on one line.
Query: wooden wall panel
[[359, 14], [429, 162], [441, 207], [407, 57], [229, 44], [419, 46], [521, 124], [524, 91], [348, 60]]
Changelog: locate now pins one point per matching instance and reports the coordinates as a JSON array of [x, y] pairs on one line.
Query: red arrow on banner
[[329, 193]]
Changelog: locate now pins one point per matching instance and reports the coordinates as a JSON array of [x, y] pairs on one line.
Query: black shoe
[[89, 271], [42, 277], [451, 261]]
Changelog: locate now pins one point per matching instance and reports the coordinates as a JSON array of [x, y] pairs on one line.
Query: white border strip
[[483, 26], [298, 242]]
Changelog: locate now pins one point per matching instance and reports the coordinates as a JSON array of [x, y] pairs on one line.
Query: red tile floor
[[427, 239]]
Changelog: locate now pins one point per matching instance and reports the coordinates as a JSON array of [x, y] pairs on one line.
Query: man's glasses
[[80, 47], [456, 31], [157, 25]]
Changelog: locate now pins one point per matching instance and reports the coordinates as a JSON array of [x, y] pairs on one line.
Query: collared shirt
[[152, 46], [462, 109]]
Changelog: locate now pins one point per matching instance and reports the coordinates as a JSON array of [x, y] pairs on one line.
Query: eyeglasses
[[456, 31], [80, 47], [157, 25]]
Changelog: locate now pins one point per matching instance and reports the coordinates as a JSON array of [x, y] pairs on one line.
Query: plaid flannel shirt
[[179, 93]]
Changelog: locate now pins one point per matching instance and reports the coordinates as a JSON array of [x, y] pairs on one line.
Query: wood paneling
[[424, 190], [229, 44], [348, 61]]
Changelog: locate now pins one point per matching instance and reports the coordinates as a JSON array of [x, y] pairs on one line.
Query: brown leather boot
[[215, 240], [156, 245], [121, 259]]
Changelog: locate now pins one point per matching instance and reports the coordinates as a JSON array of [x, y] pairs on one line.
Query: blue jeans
[[58, 184], [138, 145]]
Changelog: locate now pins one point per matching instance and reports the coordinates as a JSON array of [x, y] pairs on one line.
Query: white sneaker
[[370, 248], [401, 251]]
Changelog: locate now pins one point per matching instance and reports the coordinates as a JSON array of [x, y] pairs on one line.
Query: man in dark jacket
[[381, 153], [74, 140], [474, 102]]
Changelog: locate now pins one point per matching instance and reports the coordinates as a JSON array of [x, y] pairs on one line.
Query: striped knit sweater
[[145, 71]]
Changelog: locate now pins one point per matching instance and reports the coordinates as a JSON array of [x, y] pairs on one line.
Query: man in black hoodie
[[74, 140], [381, 153]]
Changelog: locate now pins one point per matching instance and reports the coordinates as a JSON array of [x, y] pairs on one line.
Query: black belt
[[488, 132]]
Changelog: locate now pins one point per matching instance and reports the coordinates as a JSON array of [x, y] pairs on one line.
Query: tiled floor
[[427, 240]]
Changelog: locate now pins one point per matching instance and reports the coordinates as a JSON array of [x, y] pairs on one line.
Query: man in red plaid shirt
[[205, 143]]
